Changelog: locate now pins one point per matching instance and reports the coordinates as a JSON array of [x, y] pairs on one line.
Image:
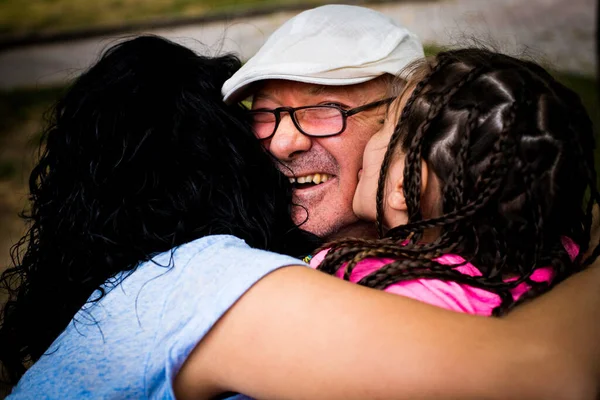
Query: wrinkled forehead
[[281, 89]]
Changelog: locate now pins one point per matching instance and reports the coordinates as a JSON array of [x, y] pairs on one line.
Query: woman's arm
[[302, 334], [567, 322]]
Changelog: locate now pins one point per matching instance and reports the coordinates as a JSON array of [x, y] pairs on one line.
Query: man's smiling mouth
[[308, 181]]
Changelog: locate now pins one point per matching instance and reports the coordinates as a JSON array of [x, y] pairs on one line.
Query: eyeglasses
[[316, 121]]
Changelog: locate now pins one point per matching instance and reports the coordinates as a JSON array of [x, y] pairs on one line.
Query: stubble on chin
[[325, 222]]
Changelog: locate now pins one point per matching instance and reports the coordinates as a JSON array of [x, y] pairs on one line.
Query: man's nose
[[288, 141]]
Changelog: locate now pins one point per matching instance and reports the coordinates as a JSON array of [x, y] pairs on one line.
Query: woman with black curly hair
[[478, 181], [150, 271]]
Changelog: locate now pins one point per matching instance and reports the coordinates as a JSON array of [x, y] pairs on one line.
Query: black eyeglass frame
[[292, 111]]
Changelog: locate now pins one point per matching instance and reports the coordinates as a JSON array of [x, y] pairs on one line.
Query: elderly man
[[319, 86], [318, 89]]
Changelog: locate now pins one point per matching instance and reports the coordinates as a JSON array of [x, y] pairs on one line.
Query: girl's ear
[[396, 199], [424, 177]]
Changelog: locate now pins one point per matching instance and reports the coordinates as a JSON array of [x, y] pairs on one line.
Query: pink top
[[447, 294]]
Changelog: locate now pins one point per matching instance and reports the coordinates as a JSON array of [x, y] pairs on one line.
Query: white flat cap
[[332, 45]]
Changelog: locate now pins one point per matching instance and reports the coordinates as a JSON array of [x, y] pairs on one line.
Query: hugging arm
[[299, 333]]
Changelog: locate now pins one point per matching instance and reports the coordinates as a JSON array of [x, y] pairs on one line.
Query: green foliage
[[587, 88], [7, 170], [18, 106]]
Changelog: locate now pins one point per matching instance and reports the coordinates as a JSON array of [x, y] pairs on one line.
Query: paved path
[[558, 32]]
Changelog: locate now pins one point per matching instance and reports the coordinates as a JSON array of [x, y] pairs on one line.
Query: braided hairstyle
[[141, 155], [513, 151]]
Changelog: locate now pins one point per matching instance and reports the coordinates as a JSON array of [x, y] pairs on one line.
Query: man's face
[[338, 158]]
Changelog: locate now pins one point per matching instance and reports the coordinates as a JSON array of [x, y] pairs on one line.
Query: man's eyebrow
[[313, 90], [316, 90], [262, 96], [324, 90]]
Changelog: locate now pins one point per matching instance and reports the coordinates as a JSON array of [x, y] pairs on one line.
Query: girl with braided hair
[[482, 191]]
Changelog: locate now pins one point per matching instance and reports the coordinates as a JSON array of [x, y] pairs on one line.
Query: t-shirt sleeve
[[208, 283]]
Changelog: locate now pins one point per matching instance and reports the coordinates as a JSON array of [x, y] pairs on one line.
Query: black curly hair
[[141, 156], [513, 151]]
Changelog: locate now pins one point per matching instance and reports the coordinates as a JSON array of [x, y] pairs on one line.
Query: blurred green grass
[[28, 16], [21, 111], [17, 106], [8, 169]]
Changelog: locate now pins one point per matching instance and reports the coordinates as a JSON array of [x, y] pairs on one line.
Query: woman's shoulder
[[149, 321], [217, 258], [203, 244], [225, 250]]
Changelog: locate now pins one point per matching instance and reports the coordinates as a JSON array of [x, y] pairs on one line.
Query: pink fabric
[[450, 295]]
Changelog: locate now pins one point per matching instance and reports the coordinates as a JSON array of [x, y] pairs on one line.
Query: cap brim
[[240, 91]]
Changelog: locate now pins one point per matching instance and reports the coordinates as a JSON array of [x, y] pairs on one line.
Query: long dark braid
[[394, 140], [512, 149]]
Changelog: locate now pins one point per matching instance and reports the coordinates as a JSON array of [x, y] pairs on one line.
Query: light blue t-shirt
[[133, 341]]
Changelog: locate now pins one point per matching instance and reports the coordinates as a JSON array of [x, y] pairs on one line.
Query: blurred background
[[46, 43]]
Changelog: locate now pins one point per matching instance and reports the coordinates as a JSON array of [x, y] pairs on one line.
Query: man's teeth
[[316, 179]]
